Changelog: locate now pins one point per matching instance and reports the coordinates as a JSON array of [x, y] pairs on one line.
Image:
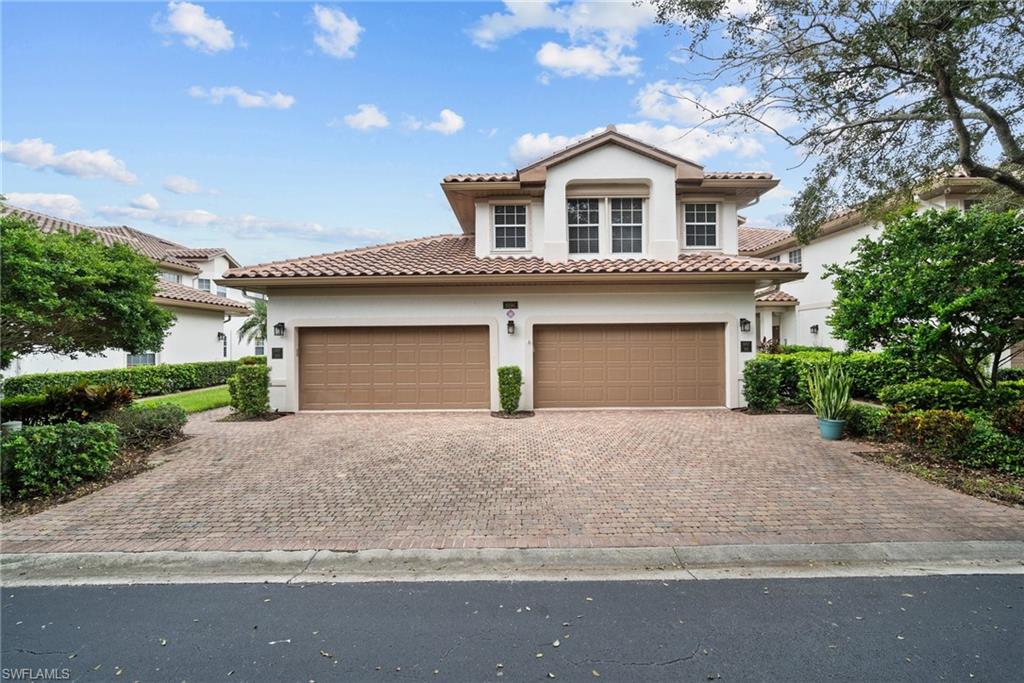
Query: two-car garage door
[[575, 366]]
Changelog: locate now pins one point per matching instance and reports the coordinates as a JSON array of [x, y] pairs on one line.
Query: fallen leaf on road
[[325, 653], [595, 674], [163, 642], [556, 643]]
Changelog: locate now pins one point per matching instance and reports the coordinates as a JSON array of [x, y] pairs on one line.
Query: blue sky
[[279, 130]]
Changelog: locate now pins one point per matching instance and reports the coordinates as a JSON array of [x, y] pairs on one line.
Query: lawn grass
[[194, 401]]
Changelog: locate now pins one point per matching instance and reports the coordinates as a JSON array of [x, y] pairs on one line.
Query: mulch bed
[[997, 487], [238, 417], [127, 465], [519, 415]]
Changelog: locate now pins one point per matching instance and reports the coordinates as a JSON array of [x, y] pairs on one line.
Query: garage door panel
[[394, 367], [629, 365]]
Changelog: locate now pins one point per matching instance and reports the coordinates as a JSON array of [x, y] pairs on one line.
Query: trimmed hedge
[[250, 389], [81, 403], [52, 459], [144, 426], [144, 380], [935, 394], [762, 382], [1010, 374], [510, 388], [867, 421]]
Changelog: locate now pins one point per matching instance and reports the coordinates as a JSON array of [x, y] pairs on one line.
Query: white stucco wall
[[211, 270], [483, 306]]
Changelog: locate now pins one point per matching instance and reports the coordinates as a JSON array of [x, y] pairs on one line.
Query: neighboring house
[[607, 271], [208, 316]]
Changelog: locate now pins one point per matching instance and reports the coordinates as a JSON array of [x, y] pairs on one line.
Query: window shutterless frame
[[627, 223], [700, 226], [510, 231], [583, 218], [796, 256]]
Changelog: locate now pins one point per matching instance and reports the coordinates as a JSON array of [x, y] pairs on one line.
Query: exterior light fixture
[[279, 329], [814, 329], [511, 326], [221, 336], [744, 325]]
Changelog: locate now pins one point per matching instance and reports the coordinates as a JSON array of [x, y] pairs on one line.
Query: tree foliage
[[255, 326], [881, 95], [71, 294], [942, 285]]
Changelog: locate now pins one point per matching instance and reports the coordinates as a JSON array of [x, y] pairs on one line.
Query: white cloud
[[243, 98], [448, 123], [63, 205], [367, 116], [600, 34], [587, 60], [198, 31], [693, 144], [146, 201], [338, 33], [179, 184], [81, 163], [176, 218], [666, 101]]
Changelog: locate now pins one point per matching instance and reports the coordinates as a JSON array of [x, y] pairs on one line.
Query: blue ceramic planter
[[831, 430]]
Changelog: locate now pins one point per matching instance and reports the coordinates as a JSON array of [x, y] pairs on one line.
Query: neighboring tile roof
[[776, 297], [48, 224], [156, 248], [197, 254], [755, 239], [455, 255], [737, 175], [178, 292], [506, 176]]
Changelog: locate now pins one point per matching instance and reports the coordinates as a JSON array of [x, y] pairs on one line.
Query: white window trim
[[604, 228], [209, 282], [643, 228], [682, 226], [789, 256], [494, 239]]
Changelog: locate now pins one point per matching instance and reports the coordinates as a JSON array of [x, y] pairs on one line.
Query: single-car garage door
[[580, 366], [360, 368]]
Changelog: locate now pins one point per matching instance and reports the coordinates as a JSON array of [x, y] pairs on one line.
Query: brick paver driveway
[[610, 478]]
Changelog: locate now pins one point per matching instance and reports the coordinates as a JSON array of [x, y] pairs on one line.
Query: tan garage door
[[359, 368], [579, 366]]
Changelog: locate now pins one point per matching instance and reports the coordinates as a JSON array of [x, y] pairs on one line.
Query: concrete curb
[[544, 564]]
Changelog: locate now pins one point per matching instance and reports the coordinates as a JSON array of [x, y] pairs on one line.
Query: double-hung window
[[796, 256], [776, 258], [170, 277], [627, 226], [584, 221], [700, 225], [510, 226], [203, 284], [222, 291]]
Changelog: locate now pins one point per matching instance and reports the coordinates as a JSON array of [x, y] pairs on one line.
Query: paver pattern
[[568, 479]]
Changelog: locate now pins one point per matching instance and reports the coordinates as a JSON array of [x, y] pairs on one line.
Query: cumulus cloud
[[676, 103], [146, 201], [693, 144], [366, 117], [601, 34], [63, 205], [197, 30], [179, 184], [448, 123], [337, 34], [243, 98], [81, 163]]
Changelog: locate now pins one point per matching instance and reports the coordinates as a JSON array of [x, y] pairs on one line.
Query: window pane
[[135, 359], [627, 226], [583, 218], [700, 225], [203, 284], [510, 226], [795, 256]]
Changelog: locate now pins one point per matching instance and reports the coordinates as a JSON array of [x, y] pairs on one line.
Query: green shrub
[[796, 348], [866, 421], [1010, 374], [52, 459], [252, 360], [510, 388], [944, 432], [762, 383], [1010, 419], [144, 380], [989, 447], [250, 389], [932, 394], [144, 426], [80, 403]]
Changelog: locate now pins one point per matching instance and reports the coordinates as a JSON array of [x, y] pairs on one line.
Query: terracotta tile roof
[[197, 254], [506, 176], [454, 255], [48, 224], [776, 297], [755, 239], [737, 175], [156, 248], [178, 292]]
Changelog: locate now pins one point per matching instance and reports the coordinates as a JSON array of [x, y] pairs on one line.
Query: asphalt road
[[954, 628]]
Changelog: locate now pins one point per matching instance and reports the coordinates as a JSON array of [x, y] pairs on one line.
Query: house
[[608, 271], [208, 315], [797, 312]]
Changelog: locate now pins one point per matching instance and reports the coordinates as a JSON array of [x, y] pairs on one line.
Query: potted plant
[[829, 387]]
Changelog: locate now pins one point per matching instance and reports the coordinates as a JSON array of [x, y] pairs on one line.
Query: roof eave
[[178, 303]]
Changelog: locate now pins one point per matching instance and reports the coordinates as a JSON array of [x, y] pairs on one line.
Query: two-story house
[[609, 272], [207, 316]]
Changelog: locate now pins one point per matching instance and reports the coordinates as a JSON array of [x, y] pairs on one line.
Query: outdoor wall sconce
[[511, 327], [814, 329], [221, 337], [279, 329], [744, 325]]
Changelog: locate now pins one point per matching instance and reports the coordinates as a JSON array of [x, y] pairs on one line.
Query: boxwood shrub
[[762, 384], [52, 459], [510, 388], [145, 380], [935, 394], [867, 421], [144, 426], [250, 389]]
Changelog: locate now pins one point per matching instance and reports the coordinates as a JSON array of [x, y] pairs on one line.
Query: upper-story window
[[584, 226], [627, 226], [171, 277], [222, 291], [796, 256], [776, 258], [700, 225], [510, 226], [203, 284]]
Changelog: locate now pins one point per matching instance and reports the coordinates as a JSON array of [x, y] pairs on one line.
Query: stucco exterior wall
[[483, 306]]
